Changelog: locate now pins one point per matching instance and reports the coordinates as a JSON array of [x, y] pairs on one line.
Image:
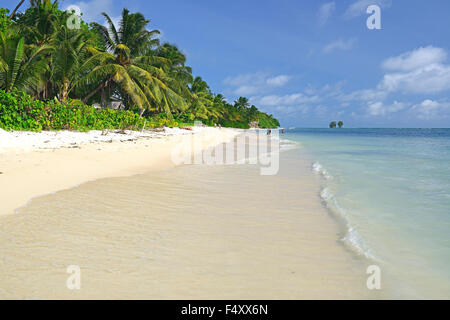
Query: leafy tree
[[333, 124], [340, 124]]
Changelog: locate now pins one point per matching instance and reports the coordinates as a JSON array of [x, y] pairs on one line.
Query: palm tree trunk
[[65, 91], [102, 85], [17, 8]]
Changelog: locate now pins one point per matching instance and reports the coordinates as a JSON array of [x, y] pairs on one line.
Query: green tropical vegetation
[[334, 124], [55, 76]]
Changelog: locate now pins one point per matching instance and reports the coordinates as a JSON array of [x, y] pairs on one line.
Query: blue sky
[[310, 62]]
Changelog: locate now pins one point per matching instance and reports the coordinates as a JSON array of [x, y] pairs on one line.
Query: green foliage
[[19, 111], [4, 20], [333, 124], [340, 124], [65, 69], [235, 124]]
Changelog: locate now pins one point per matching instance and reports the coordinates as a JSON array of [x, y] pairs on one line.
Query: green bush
[[19, 111]]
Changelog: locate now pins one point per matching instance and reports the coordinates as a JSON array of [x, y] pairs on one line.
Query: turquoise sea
[[390, 189]]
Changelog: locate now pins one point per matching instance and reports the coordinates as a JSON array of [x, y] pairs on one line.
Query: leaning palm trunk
[[15, 9]]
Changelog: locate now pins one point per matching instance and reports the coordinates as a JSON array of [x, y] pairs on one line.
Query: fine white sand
[[34, 164]]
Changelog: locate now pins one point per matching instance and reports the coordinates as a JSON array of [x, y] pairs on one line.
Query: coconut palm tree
[[241, 103], [179, 74], [41, 21], [139, 80], [132, 33], [71, 49], [20, 65], [203, 104]]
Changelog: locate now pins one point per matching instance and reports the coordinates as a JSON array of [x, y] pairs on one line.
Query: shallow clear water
[[391, 190], [192, 232]]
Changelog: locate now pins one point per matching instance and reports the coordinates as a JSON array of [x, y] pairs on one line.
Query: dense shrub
[[19, 111]]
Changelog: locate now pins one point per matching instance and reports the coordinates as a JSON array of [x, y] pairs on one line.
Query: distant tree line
[[335, 124]]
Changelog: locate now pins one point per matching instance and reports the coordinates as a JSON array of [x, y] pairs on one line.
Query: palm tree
[[70, 51], [41, 22], [340, 124], [20, 65], [139, 80], [252, 114], [201, 100], [132, 33], [241, 103], [180, 75], [203, 104]]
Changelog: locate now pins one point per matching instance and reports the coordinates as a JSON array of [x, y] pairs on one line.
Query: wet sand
[[29, 174]]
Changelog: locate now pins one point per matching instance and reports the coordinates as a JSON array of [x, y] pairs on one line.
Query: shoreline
[[251, 241], [37, 164]]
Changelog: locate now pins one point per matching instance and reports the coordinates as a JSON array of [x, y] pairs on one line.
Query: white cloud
[[339, 45], [92, 10], [255, 83], [363, 95], [328, 90], [418, 71], [283, 100], [359, 7], [411, 60], [430, 79], [429, 109], [380, 109], [278, 81], [325, 12]]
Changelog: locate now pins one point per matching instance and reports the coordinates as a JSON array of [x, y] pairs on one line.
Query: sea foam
[[318, 168], [352, 239]]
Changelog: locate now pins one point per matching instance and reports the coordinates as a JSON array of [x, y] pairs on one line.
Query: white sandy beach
[[34, 164], [192, 232]]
